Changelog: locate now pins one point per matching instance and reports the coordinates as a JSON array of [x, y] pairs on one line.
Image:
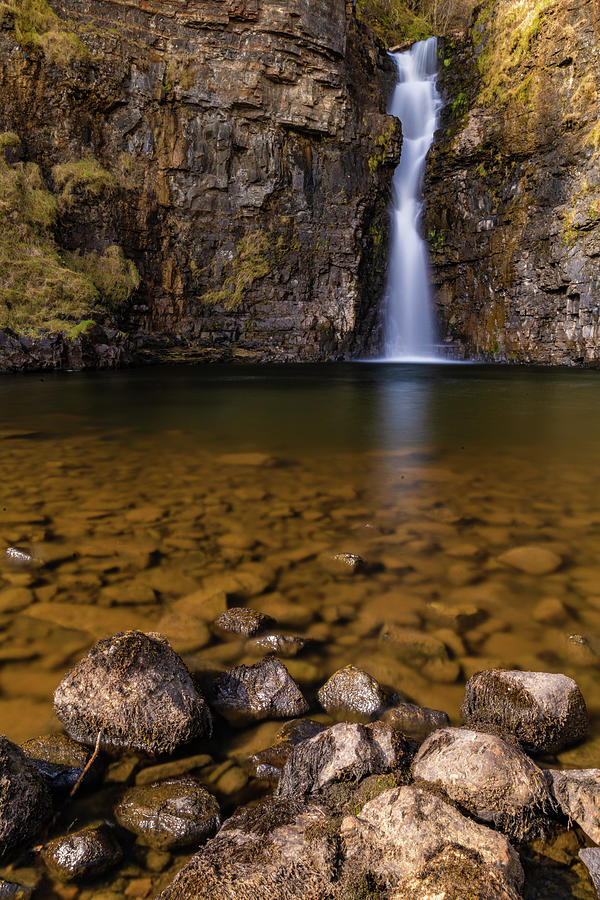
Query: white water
[[409, 333]]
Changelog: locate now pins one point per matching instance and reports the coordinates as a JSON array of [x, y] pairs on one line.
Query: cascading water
[[408, 326]]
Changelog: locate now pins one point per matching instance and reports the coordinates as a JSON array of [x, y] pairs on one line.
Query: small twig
[[88, 766]]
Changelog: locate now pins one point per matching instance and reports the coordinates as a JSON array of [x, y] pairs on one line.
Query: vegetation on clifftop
[[45, 289], [399, 23], [38, 28]]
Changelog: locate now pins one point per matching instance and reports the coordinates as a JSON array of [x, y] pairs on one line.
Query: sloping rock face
[[252, 158], [513, 187]]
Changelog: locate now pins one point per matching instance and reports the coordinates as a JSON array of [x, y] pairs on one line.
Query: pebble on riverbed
[[135, 692], [24, 798], [169, 814], [545, 712], [285, 645], [416, 722], [351, 693], [490, 777], [263, 691], [82, 854]]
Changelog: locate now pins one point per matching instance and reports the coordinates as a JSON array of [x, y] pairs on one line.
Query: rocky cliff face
[[249, 152], [513, 185]]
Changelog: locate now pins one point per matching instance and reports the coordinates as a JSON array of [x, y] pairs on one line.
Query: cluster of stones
[[390, 801]]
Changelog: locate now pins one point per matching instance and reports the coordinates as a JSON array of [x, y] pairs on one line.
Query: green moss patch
[[38, 28], [250, 264], [393, 21]]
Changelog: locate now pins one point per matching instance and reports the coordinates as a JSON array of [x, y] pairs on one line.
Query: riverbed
[[135, 489]]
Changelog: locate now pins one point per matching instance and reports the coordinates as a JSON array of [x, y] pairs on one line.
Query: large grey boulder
[[577, 793], [545, 712], [135, 692], [24, 798], [352, 694], [279, 850], [173, 813], [490, 777], [265, 690], [408, 844], [82, 854], [344, 752]]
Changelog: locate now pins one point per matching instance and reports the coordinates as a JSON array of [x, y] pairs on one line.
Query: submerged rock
[[176, 812], [135, 692], [265, 690], [61, 760], [24, 798], [532, 560], [490, 777], [285, 645], [344, 752], [82, 854], [416, 722], [267, 764], [409, 844], [279, 850], [577, 793], [11, 891], [350, 692], [590, 857], [349, 563], [240, 621], [545, 712]]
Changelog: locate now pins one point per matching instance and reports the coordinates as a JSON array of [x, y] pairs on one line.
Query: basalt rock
[[344, 752], [134, 692], [491, 778], [262, 691], [408, 843], [511, 186], [545, 712], [173, 813], [351, 693], [82, 854], [250, 160], [24, 798]]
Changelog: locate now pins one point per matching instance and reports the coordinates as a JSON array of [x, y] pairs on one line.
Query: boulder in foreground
[[82, 854], [265, 690], [491, 778], [544, 711], [135, 691], [408, 843], [24, 798]]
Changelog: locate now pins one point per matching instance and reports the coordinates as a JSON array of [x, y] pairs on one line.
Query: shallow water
[[133, 489]]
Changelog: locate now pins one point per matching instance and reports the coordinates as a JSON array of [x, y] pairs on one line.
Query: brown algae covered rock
[[264, 690], [135, 691], [416, 722], [408, 843], [239, 621], [11, 891], [488, 776], [577, 793], [544, 711], [278, 850], [345, 752], [24, 798], [82, 854], [176, 812], [352, 694]]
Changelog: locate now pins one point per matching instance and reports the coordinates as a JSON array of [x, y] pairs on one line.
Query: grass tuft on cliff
[[393, 21], [43, 289], [39, 29]]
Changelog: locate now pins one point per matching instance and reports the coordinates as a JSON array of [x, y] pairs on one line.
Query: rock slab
[[135, 692]]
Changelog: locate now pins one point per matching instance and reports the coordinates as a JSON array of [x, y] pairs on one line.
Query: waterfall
[[408, 325]]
